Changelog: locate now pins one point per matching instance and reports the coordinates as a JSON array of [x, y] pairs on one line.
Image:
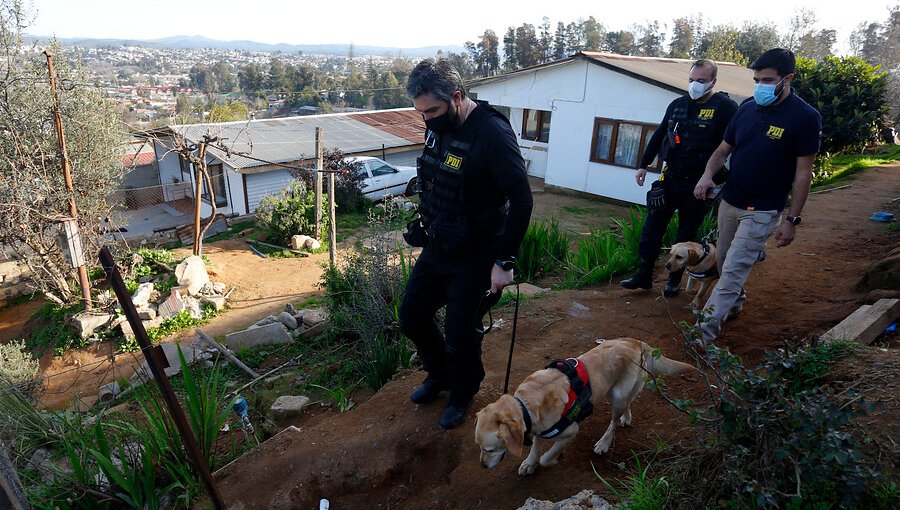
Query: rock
[[264, 335], [129, 333], [525, 289], [314, 330], [265, 322], [145, 279], [191, 273], [289, 308], [85, 323], [218, 302], [312, 244], [313, 316], [584, 500], [141, 297], [288, 320], [146, 314], [219, 288], [298, 241], [173, 305], [170, 350], [288, 406]]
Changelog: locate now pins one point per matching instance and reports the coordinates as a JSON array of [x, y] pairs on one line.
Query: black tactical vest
[[449, 220], [691, 139]]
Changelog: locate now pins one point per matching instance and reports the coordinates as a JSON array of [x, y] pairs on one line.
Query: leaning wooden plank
[[865, 324], [225, 352]]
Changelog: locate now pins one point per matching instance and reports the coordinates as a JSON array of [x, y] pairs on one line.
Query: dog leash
[[512, 343]]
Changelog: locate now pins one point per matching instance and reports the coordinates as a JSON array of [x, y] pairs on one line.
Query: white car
[[380, 178]]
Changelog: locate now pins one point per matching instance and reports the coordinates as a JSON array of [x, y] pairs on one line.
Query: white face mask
[[697, 89]]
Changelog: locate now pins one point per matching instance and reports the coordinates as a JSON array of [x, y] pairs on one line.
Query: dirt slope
[[389, 453]]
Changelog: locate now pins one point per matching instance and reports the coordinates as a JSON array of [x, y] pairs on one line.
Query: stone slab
[[269, 334], [289, 406]]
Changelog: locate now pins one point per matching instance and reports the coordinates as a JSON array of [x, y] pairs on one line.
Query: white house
[[251, 159], [583, 121]]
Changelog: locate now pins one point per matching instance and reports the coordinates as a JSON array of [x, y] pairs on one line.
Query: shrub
[[17, 365], [544, 249], [348, 196], [290, 211]]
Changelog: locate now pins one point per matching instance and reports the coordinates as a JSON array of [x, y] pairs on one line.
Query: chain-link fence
[[145, 211]]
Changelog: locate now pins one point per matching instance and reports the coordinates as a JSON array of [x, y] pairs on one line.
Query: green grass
[[55, 333], [579, 211], [845, 165], [639, 491], [231, 232]]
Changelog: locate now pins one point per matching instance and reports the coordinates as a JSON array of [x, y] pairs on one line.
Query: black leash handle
[[512, 343]]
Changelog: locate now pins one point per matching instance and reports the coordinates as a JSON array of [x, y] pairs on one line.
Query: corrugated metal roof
[[291, 139], [735, 79], [670, 73]]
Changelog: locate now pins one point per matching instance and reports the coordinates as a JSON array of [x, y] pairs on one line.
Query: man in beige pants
[[773, 140]]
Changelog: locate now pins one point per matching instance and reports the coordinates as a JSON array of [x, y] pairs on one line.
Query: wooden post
[[320, 165], [156, 360], [332, 224], [198, 190], [67, 174]]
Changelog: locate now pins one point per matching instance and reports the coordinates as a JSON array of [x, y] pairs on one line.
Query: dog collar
[[705, 253], [526, 417]]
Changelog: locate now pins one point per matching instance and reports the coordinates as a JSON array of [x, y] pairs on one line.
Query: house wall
[[141, 177], [405, 158], [578, 92], [169, 168], [266, 183]]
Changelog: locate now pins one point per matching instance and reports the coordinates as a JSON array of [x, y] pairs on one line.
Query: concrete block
[[866, 323], [85, 323], [312, 331], [218, 302], [288, 406], [288, 320], [269, 334], [313, 316]]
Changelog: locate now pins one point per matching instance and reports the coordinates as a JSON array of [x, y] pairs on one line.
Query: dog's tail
[[662, 365]]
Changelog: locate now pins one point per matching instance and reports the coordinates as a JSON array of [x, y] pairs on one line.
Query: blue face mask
[[764, 93]]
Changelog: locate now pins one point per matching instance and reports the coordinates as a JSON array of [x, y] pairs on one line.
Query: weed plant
[[543, 250]]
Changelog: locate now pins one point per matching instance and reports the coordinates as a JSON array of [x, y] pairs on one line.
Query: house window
[[536, 125], [621, 143], [217, 176]]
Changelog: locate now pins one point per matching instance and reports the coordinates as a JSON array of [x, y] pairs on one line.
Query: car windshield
[[379, 168]]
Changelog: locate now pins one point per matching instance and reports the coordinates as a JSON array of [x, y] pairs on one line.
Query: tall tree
[[574, 38], [251, 78], [754, 39], [720, 44], [817, 45], [32, 188], [621, 42], [527, 47], [650, 40], [592, 33], [559, 41], [682, 43], [802, 22], [510, 59], [276, 82], [546, 41], [490, 47]]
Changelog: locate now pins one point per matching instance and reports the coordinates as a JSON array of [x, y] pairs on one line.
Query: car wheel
[[411, 187]]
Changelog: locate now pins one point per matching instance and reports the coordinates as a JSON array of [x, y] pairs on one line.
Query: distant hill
[[198, 42]]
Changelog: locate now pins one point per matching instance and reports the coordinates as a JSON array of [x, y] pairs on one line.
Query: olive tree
[[33, 194]]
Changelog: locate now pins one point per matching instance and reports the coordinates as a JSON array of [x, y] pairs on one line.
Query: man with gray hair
[[475, 205]]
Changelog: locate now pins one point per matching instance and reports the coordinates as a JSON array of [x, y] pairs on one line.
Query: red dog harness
[[579, 405]]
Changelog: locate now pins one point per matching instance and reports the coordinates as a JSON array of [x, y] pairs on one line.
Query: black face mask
[[443, 123]]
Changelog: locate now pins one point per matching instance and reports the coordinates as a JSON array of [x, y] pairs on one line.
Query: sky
[[410, 24]]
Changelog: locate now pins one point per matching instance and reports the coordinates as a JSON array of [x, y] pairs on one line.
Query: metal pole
[[67, 173], [332, 224], [320, 165], [156, 360], [198, 189]]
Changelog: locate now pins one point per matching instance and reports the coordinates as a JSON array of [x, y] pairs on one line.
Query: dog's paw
[[625, 419], [527, 468], [602, 446], [547, 461]]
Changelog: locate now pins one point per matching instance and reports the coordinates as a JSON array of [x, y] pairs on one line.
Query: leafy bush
[[363, 294], [605, 253], [777, 437], [849, 94], [53, 331], [17, 365], [348, 196], [292, 211]]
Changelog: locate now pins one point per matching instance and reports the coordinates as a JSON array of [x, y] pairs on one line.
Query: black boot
[[429, 390], [455, 413], [673, 283], [643, 279]]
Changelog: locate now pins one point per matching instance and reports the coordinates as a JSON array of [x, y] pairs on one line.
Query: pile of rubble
[[283, 328], [194, 289]]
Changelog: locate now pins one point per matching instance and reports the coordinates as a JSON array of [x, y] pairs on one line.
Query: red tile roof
[[139, 159]]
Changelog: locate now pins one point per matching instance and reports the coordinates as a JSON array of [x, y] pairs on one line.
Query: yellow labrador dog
[[699, 261], [542, 406]]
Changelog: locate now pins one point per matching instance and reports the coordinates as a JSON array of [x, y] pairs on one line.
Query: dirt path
[[388, 453]]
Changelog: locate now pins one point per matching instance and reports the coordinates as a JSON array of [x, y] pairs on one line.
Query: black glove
[[721, 176], [656, 197], [415, 234]]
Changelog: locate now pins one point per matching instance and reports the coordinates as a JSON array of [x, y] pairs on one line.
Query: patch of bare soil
[[389, 453]]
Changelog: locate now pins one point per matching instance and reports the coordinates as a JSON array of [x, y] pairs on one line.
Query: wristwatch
[[506, 265], [793, 220]]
